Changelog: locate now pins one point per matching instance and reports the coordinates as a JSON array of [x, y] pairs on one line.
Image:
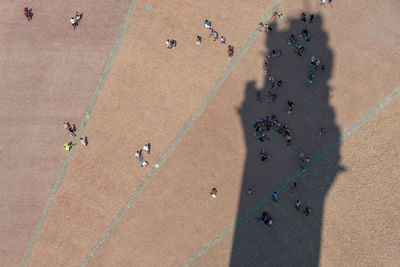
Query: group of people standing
[[72, 129], [139, 155]]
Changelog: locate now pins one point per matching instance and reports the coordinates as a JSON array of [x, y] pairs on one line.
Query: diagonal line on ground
[[235, 61], [82, 126], [332, 146]]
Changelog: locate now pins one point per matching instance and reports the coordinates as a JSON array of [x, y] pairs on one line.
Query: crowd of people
[[267, 123], [262, 125]]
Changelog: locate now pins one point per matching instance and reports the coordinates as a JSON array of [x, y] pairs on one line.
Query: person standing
[[147, 148], [215, 34], [67, 147], [198, 42], [288, 139], [84, 141], [307, 211], [138, 154], [268, 221], [168, 44], [207, 24], [73, 22], [77, 17], [290, 107], [213, 192], [322, 132], [144, 164], [298, 203], [210, 31]]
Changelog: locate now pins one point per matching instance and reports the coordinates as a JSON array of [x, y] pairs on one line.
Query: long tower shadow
[[293, 239]]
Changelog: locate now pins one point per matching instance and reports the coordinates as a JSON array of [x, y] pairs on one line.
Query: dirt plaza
[[114, 77]]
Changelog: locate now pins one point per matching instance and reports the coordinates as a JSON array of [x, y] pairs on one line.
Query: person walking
[[222, 40], [275, 197], [303, 17], [302, 160], [307, 211], [311, 18]]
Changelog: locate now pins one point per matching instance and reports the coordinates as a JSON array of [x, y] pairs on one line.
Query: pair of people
[[75, 20], [266, 218], [28, 14], [264, 156], [71, 129], [171, 44], [230, 51]]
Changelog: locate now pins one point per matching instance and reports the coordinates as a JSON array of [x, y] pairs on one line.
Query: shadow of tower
[[294, 239]]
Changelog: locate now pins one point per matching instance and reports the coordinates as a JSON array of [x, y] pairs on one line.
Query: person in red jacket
[[28, 14]]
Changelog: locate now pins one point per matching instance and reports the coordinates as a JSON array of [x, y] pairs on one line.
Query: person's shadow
[[294, 239]]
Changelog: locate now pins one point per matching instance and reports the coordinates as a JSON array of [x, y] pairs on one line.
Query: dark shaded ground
[[293, 239]]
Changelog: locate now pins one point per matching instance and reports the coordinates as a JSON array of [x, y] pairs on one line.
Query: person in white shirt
[[298, 203], [84, 141], [144, 164], [168, 43], [147, 148], [73, 22]]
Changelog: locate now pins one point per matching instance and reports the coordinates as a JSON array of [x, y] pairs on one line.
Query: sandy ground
[[149, 95]]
